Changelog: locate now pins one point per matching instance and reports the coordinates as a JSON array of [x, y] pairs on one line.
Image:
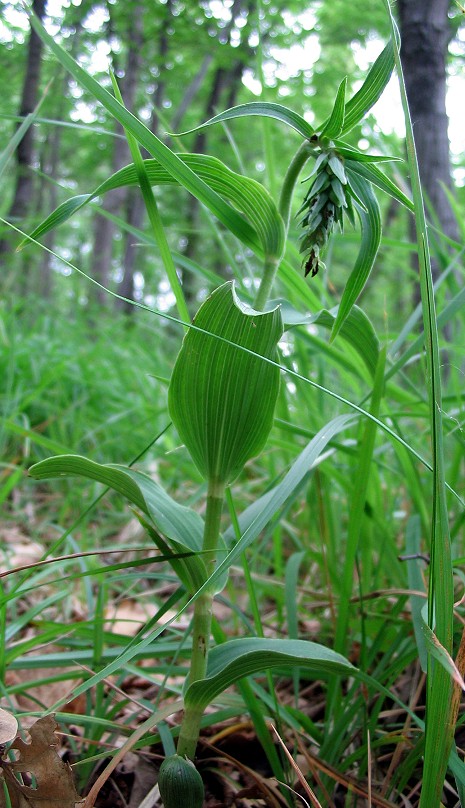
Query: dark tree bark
[[425, 34], [135, 206], [104, 229], [23, 192], [225, 85]]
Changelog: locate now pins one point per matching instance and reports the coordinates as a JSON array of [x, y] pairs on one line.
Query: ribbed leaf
[[357, 329], [333, 127], [371, 89], [61, 214], [247, 195], [179, 525], [370, 220], [265, 109], [222, 399], [171, 162], [363, 157], [374, 175], [238, 658]]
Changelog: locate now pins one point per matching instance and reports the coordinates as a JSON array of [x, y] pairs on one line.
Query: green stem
[[269, 273], [295, 167], [272, 263], [201, 630]]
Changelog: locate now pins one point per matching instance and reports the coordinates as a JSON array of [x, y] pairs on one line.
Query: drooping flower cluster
[[323, 207]]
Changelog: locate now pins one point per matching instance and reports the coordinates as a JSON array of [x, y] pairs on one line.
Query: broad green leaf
[[264, 109], [374, 175], [371, 89], [247, 195], [333, 127], [357, 329], [370, 220], [222, 399], [235, 659], [170, 161], [182, 527]]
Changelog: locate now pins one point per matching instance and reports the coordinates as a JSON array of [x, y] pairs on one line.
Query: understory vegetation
[[237, 542]]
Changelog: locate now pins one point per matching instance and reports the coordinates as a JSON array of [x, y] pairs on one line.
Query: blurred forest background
[[178, 64]]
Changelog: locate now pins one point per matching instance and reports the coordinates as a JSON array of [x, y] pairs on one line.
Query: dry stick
[[315, 801], [344, 780]]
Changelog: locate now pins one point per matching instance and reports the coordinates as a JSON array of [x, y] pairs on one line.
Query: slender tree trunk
[[47, 200], [135, 212], [23, 191], [135, 207], [425, 33], [225, 84], [104, 229]]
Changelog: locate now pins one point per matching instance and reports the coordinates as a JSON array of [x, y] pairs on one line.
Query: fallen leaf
[[8, 727], [128, 616], [19, 548], [44, 694], [39, 759]]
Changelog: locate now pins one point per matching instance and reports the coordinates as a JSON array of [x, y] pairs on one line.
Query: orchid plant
[[226, 378]]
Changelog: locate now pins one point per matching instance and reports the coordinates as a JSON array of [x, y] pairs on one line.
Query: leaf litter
[[38, 761]]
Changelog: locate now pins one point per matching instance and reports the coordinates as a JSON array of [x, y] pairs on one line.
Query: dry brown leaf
[[8, 727], [46, 694], [18, 547], [53, 777], [128, 616]]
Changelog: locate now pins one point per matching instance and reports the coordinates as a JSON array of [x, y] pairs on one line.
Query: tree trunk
[[425, 33], [23, 192], [104, 229], [225, 83], [135, 206]]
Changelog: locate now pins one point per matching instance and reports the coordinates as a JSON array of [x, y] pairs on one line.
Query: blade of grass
[[357, 508], [439, 726]]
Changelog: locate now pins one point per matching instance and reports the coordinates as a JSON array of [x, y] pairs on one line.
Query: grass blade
[[439, 727]]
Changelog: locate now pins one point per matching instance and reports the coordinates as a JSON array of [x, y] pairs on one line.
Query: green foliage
[[222, 399], [321, 500], [232, 660]]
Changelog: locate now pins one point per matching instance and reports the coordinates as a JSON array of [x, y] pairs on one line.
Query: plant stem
[[272, 262], [201, 631], [298, 161], [269, 273]]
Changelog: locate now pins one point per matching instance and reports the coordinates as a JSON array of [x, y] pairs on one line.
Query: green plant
[[224, 385]]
